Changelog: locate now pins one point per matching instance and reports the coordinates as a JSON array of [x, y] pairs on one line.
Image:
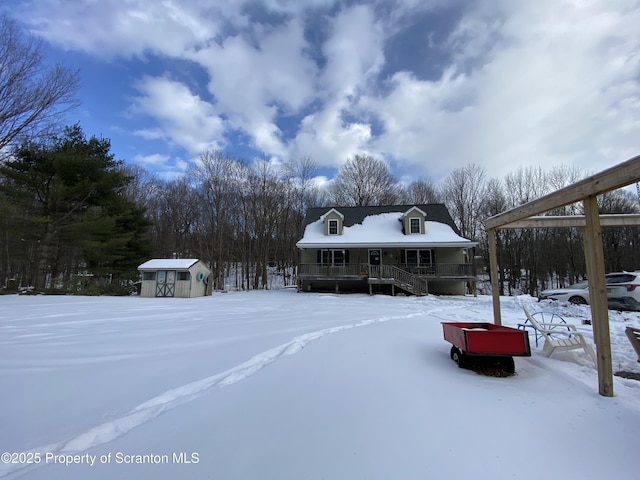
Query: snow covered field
[[281, 385]]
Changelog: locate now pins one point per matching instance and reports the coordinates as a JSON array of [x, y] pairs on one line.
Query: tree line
[[75, 219], [69, 210]]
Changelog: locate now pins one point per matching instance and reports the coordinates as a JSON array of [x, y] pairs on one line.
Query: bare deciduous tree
[[464, 192], [525, 184], [218, 179], [33, 95], [421, 190], [301, 173], [364, 180], [174, 217], [143, 185]]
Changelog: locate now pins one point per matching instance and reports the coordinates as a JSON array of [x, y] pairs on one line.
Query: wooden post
[[493, 272], [594, 256]]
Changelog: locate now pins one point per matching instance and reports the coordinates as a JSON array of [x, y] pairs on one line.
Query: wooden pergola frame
[[586, 191]]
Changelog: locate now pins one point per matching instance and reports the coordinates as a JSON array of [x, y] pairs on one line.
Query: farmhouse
[[413, 248], [170, 277]]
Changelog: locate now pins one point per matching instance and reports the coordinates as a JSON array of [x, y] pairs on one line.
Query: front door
[[375, 259], [166, 283]]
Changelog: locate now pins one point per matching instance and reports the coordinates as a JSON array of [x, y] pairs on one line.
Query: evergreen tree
[[71, 208]]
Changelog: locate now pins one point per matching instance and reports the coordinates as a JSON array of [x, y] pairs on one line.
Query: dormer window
[[413, 221], [332, 222]]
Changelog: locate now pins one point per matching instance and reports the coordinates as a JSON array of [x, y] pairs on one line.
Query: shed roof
[[168, 264]]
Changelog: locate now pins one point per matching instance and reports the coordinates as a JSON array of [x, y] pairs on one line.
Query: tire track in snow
[[147, 411]]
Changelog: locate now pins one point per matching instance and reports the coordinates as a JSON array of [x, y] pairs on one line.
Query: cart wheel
[[556, 320], [458, 357], [453, 350], [508, 365]]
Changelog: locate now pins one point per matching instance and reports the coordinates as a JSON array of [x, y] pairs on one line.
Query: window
[[333, 227], [333, 257], [619, 278], [426, 257], [414, 225], [419, 257], [148, 276], [184, 276]]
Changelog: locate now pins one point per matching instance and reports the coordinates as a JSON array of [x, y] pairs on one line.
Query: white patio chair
[[560, 336]]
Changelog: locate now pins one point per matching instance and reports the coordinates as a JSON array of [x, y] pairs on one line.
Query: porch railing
[[318, 270], [440, 270]]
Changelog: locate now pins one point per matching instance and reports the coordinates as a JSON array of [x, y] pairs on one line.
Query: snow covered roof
[[434, 212], [335, 211], [168, 264], [412, 209], [384, 229]]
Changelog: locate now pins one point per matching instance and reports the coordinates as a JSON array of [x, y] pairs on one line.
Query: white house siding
[[148, 288], [183, 288]]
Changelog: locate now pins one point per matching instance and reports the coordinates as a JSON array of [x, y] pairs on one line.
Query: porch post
[[493, 272], [593, 249]]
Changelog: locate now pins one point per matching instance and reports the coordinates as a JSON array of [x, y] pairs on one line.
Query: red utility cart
[[474, 341]]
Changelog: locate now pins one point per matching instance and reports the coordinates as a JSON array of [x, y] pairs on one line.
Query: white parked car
[[577, 293], [623, 291]]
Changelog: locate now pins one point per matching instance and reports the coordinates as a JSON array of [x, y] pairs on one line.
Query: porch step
[[392, 275], [381, 281]]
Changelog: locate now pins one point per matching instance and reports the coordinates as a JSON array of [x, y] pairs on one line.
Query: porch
[[413, 279]]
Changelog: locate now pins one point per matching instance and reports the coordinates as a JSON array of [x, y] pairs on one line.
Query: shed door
[[166, 283]]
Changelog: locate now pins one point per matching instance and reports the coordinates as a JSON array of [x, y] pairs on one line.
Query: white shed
[[171, 277]]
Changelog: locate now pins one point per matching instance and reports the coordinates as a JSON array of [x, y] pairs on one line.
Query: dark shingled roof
[[436, 212]]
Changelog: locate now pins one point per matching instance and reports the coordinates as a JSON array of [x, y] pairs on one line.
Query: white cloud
[[255, 80], [165, 167], [328, 139], [155, 159], [150, 133], [417, 115], [523, 83], [554, 82], [354, 55], [354, 52], [184, 118], [110, 28]]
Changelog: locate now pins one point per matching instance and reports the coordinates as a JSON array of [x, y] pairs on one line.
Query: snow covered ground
[[281, 385]]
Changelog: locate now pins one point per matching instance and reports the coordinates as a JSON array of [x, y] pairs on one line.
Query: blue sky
[[426, 85]]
